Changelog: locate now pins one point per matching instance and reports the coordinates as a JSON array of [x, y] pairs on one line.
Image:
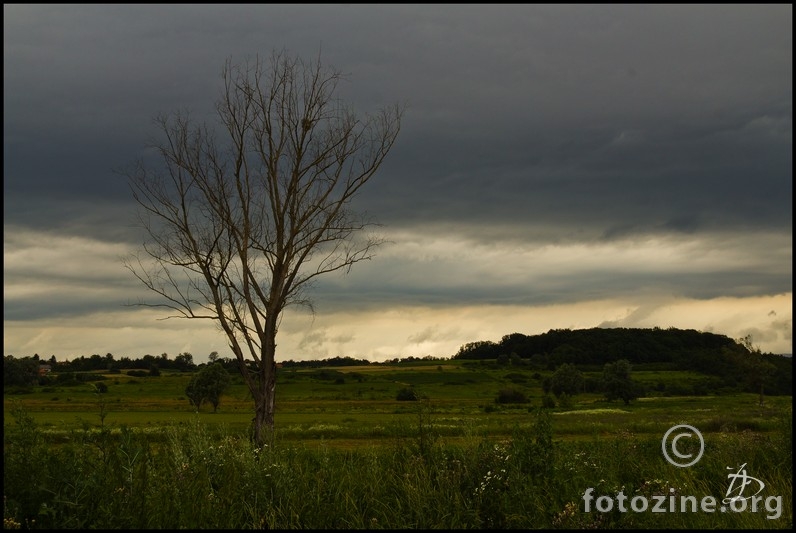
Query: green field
[[347, 454], [359, 404]]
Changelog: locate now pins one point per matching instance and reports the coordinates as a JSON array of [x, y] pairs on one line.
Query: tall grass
[[198, 476]]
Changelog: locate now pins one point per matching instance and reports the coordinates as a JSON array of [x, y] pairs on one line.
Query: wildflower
[[570, 508], [10, 523]]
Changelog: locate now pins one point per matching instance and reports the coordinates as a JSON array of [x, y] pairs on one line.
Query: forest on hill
[[737, 364]]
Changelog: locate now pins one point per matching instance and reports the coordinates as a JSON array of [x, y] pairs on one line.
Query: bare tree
[[242, 220]]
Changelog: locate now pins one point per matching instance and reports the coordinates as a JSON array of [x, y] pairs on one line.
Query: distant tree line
[[731, 365], [351, 361], [333, 361], [29, 370], [33, 370]]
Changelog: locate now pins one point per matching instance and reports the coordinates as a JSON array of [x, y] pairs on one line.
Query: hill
[[739, 366]]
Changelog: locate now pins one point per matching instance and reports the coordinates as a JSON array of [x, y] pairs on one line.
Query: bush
[[407, 394], [567, 379], [511, 396]]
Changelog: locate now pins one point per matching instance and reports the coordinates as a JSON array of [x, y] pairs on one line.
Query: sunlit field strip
[[340, 423]]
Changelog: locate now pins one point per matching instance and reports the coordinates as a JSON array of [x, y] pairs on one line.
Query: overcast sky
[[558, 167]]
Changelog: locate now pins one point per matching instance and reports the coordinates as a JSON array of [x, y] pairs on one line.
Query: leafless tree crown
[[244, 216]]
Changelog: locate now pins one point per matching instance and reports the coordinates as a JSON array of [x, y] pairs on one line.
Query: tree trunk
[[266, 395], [265, 407]]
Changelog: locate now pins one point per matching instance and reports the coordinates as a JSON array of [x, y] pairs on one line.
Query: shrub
[[511, 396], [407, 394], [567, 379]]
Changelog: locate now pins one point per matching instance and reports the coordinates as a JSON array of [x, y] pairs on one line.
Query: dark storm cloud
[[611, 117], [606, 118], [529, 124]]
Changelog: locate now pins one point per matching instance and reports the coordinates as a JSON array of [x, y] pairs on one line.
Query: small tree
[[407, 394], [208, 385], [216, 380], [194, 392], [617, 382], [100, 389], [757, 372], [566, 380]]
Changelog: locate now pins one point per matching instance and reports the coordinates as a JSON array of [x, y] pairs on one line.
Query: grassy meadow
[[348, 454]]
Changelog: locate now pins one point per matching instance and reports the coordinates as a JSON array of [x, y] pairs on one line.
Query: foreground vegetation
[[199, 475], [353, 450], [551, 431]]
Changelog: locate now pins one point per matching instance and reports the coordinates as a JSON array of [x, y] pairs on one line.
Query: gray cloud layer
[[526, 124]]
